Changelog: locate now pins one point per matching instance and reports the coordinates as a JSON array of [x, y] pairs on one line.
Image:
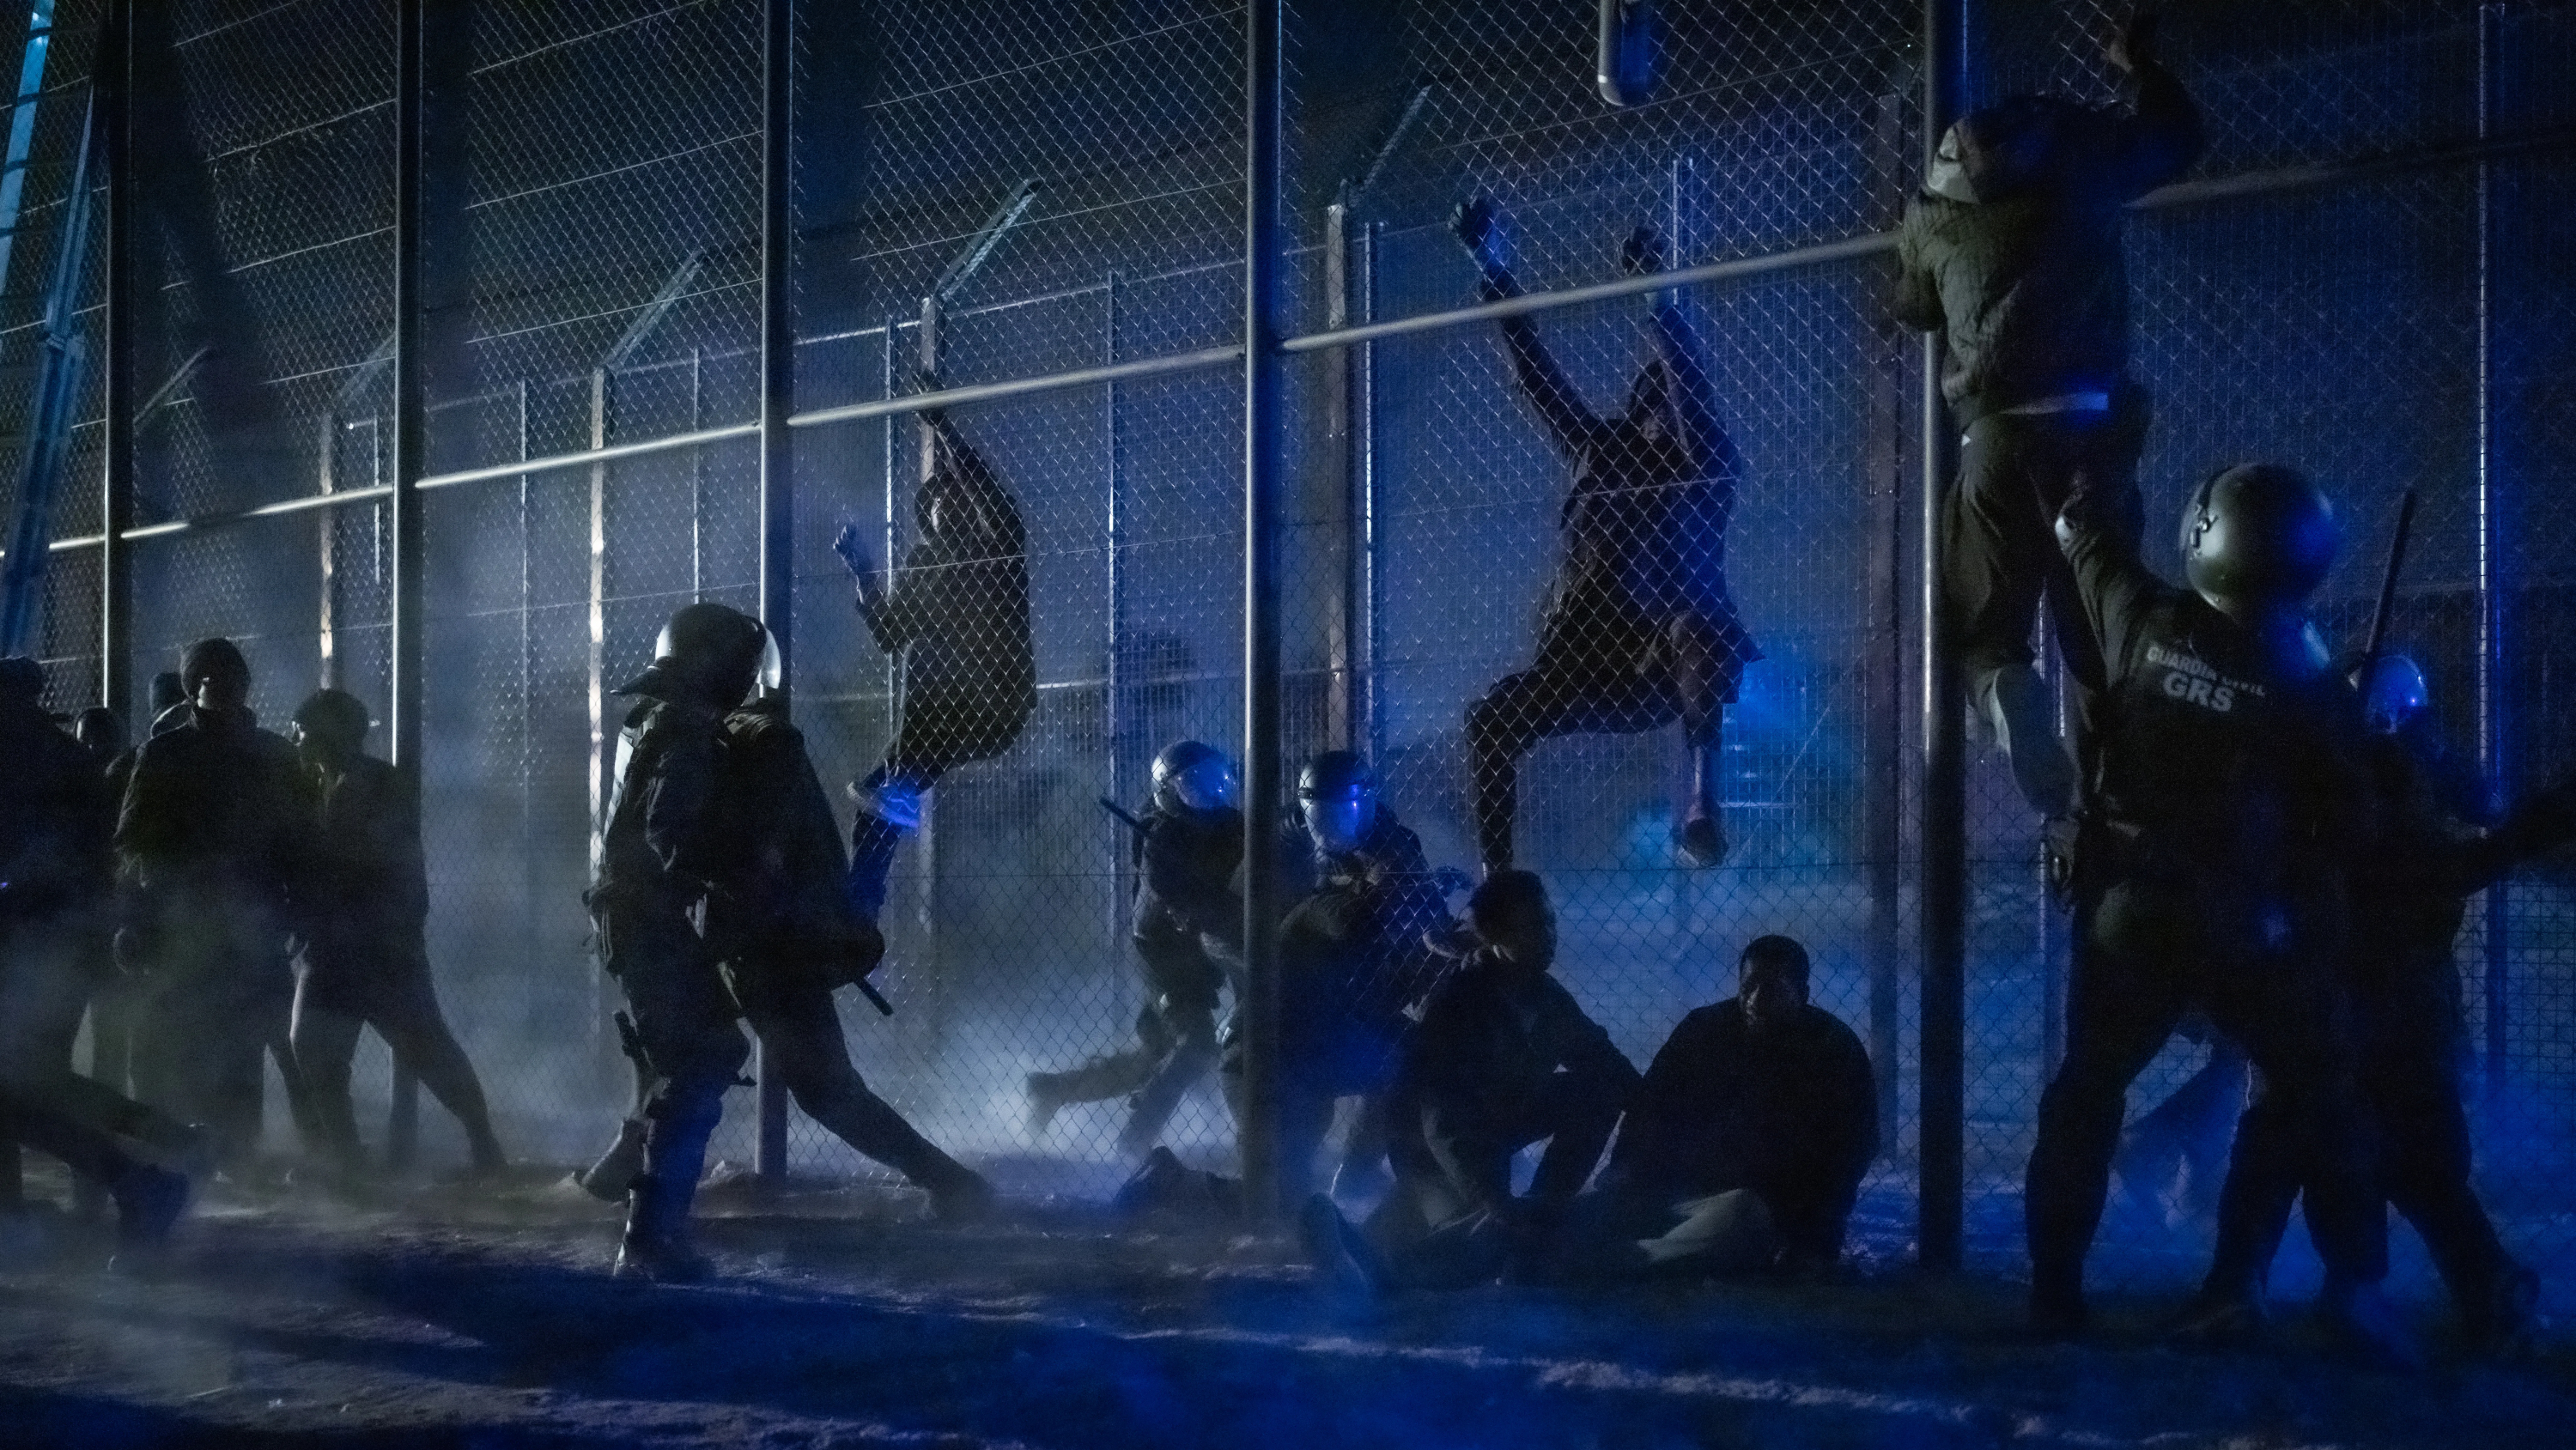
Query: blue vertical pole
[[777, 450], [1264, 437]]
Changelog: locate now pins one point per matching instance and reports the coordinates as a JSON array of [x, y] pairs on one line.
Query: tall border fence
[[439, 350]]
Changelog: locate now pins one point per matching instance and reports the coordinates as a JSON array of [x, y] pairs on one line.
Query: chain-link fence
[[2361, 278]]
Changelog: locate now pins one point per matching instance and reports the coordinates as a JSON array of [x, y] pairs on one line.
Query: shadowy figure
[[1640, 629], [958, 614], [2011, 253]]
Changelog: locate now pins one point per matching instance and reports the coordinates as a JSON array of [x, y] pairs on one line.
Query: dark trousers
[[1175, 1043], [2410, 1084], [1999, 554], [684, 1025], [1435, 1232], [350, 985], [2147, 948], [1608, 679], [801, 1039], [48, 976]]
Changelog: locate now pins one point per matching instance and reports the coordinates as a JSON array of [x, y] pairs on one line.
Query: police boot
[[1700, 838], [2015, 702], [2057, 1307], [656, 1247], [958, 1194], [608, 1179]]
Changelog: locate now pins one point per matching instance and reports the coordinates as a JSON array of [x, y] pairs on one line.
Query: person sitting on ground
[[1765, 1092], [1503, 1058]]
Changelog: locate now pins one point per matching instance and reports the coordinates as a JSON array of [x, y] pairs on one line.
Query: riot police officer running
[[2214, 867], [1188, 845], [662, 858]]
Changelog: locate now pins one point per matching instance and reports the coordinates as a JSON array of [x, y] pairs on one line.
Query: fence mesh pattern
[[990, 192]]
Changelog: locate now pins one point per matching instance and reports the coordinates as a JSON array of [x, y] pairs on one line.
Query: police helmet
[[717, 649], [1338, 793], [1193, 775], [2393, 691], [2257, 536]]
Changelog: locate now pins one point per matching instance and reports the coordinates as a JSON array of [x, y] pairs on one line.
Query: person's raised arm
[[2116, 588], [1690, 382], [2160, 141], [1481, 229]]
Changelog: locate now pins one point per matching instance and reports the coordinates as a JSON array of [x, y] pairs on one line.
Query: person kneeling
[[1502, 1058]]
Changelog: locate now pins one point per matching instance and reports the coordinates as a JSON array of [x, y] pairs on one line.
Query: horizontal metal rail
[[1847, 249]]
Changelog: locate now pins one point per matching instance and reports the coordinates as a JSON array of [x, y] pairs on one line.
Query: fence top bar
[[207, 521], [588, 457], [1222, 355], [1849, 248]]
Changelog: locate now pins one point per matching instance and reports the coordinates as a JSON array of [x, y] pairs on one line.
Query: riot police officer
[[661, 858], [1352, 957], [2412, 890], [2214, 868], [1188, 845], [365, 959], [785, 930]]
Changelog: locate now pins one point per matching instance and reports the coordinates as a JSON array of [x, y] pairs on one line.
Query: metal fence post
[[1943, 894], [1114, 724], [1263, 467], [777, 453], [410, 443], [2494, 760], [116, 512]]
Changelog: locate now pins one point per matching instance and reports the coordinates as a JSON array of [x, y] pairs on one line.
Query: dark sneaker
[[661, 1261], [1161, 1182], [1700, 841]]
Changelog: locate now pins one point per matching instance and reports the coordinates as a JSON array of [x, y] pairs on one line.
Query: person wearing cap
[[211, 846], [2215, 869], [1185, 849], [365, 957], [1765, 1093], [2011, 255], [662, 857]]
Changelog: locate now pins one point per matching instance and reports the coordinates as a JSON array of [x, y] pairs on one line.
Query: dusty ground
[[843, 1320]]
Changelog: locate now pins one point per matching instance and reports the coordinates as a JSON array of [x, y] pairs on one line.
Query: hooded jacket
[[2012, 249]]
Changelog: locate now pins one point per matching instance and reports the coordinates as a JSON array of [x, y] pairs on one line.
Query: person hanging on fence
[[210, 844], [1186, 848], [365, 956], [55, 877], [2011, 254], [662, 857], [2214, 868], [1640, 629], [958, 614], [2411, 896]]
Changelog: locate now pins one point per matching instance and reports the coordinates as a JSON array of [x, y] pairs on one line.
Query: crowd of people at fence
[[2259, 840]]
